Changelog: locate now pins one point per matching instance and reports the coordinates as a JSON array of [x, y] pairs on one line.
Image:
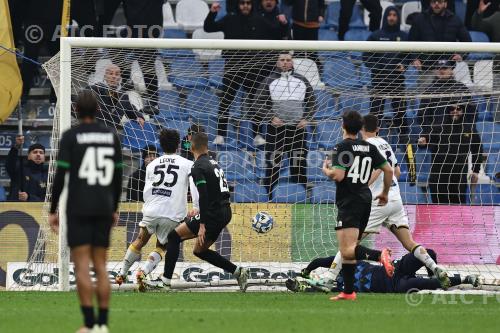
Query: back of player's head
[[352, 122], [86, 104], [169, 140], [370, 123], [199, 141]]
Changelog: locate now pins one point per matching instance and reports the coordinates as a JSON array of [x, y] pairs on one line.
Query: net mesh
[[272, 117]]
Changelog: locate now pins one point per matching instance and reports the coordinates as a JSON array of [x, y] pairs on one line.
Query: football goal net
[[273, 111]]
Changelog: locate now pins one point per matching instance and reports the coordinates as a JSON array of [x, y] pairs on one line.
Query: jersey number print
[[360, 170], [97, 166], [171, 170], [222, 180]]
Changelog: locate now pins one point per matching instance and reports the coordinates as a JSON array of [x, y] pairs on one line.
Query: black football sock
[[455, 280], [103, 316], [173, 248], [217, 260], [364, 253], [319, 262], [348, 271], [88, 316]]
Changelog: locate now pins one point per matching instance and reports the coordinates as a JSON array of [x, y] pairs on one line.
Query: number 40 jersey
[[166, 188]]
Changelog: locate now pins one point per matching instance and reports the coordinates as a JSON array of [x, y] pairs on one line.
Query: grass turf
[[253, 312]]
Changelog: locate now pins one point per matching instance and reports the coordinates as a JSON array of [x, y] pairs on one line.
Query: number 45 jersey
[[166, 188]]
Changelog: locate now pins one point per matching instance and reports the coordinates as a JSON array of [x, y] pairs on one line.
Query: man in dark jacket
[[387, 70], [451, 144], [307, 15], [136, 181], [346, 6], [28, 181], [287, 100], [437, 24], [242, 68], [270, 11]]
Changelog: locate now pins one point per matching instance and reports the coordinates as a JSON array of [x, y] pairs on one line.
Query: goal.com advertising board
[[459, 234]]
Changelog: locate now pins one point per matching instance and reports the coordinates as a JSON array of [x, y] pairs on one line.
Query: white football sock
[[153, 259], [131, 256], [421, 254], [336, 265]]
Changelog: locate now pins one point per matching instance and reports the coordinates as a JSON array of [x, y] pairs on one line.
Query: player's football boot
[[161, 283], [100, 329], [243, 279], [305, 273], [473, 279], [442, 277], [386, 260], [141, 284], [120, 279], [344, 297], [295, 285]]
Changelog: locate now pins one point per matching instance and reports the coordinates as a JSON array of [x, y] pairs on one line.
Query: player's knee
[[200, 253], [348, 253]]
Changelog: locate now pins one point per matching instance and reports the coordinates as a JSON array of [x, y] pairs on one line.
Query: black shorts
[[89, 230], [214, 226], [353, 215]]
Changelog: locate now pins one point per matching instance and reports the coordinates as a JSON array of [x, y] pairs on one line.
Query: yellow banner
[[11, 84]]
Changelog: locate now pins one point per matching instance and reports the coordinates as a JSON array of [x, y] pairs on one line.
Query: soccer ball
[[262, 222]]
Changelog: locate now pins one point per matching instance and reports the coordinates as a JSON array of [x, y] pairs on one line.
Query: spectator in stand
[[307, 16], [387, 71], [270, 11], [451, 143], [114, 103], [28, 179], [242, 68], [41, 20], [346, 7], [491, 26], [432, 111], [427, 3], [436, 24], [473, 5], [291, 100], [136, 181]]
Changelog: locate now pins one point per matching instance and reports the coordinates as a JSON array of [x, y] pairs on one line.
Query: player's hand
[[474, 178], [215, 7], [417, 63], [401, 68], [277, 121], [302, 123], [422, 140], [382, 199], [54, 222], [193, 212], [326, 167], [482, 6], [19, 141], [457, 58], [23, 196], [320, 19], [201, 234], [116, 218], [282, 19]]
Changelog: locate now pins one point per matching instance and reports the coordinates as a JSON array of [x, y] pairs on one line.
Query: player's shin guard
[[348, 271], [421, 254], [154, 259], [216, 259], [173, 245], [131, 256], [336, 266], [364, 253]]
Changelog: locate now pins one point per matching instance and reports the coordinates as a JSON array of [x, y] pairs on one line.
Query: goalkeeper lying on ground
[[372, 278]]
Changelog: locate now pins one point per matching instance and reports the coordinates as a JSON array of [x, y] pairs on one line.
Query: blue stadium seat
[[323, 193], [289, 193], [260, 165], [492, 166], [315, 160], [412, 195], [332, 16], [403, 166], [245, 134], [174, 33], [411, 77], [42, 138], [136, 137], [222, 11], [423, 166], [341, 73], [237, 165], [180, 125], [3, 196], [460, 10], [490, 135], [250, 192], [169, 106], [327, 34], [187, 73], [486, 194], [325, 106], [478, 37], [356, 102], [216, 72], [202, 104], [328, 134], [357, 35]]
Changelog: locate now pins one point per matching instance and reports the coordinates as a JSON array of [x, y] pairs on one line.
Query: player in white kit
[[393, 215], [165, 205]]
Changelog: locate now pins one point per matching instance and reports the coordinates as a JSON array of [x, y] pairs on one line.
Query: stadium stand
[[323, 193]]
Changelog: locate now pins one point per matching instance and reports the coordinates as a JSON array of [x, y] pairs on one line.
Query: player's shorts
[[392, 214], [160, 226], [213, 227], [353, 215], [89, 230]]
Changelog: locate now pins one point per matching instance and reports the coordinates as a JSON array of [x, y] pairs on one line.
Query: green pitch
[[253, 312]]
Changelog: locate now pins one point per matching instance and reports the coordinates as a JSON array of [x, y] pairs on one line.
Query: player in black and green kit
[[91, 154], [352, 165], [215, 214]]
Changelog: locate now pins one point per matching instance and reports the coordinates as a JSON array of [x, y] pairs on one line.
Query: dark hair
[[352, 122], [36, 146], [370, 123], [149, 149], [199, 141], [195, 128], [169, 140], [86, 104]]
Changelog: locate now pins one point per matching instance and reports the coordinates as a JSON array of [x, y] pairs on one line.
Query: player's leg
[[409, 264], [103, 288], [316, 263], [133, 253], [163, 227], [81, 258], [154, 258], [347, 240]]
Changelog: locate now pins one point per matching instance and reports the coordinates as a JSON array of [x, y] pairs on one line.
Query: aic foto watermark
[[35, 33], [413, 298]]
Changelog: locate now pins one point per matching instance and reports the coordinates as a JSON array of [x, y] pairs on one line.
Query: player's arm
[[201, 188], [194, 196], [118, 174], [379, 162], [63, 165], [334, 170]]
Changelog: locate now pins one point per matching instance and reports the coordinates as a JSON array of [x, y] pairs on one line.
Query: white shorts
[[160, 226], [392, 214]]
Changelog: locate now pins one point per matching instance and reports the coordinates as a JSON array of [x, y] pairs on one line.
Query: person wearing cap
[[136, 180], [28, 179], [444, 89]]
